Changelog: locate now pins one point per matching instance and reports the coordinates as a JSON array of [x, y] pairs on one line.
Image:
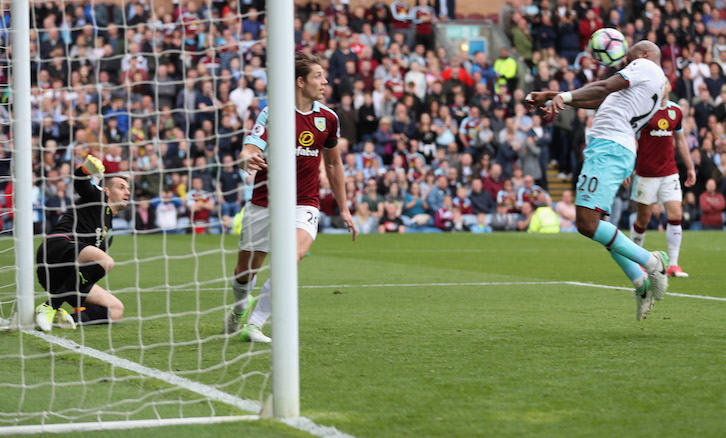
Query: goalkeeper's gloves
[[93, 166]]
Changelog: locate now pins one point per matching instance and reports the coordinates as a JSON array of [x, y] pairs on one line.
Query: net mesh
[[165, 92]]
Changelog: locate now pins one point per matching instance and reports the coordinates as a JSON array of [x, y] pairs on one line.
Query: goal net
[[149, 88]]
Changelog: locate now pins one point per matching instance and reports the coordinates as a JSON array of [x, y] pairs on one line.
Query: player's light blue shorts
[[606, 166]]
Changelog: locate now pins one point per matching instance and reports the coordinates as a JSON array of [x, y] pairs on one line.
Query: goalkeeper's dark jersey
[[89, 220]]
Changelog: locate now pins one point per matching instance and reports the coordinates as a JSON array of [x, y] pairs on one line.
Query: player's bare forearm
[[588, 104], [539, 98], [682, 146], [336, 176], [589, 95], [251, 158]]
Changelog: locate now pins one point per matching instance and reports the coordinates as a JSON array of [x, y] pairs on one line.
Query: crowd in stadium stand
[[432, 140]]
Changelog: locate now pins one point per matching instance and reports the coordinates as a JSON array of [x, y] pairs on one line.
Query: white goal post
[[164, 363]]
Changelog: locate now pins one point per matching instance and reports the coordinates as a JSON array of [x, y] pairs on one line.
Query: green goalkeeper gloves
[[93, 166]]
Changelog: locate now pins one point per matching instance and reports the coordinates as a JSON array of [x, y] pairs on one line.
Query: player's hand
[[93, 166], [690, 178], [252, 161], [536, 99], [348, 219], [627, 181], [555, 106]]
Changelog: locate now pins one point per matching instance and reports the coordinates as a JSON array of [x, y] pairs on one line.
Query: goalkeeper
[[73, 257]]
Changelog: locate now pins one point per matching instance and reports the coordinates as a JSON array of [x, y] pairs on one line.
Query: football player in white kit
[[625, 102], [656, 177]]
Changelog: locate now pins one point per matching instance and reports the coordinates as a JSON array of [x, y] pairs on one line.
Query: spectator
[[145, 215], [544, 219], [166, 211], [444, 218], [229, 189], [373, 199], [525, 216], [57, 204], [508, 196], [658, 220], [391, 221], [691, 212], [712, 206], [200, 204], [503, 220], [435, 195], [415, 208], [565, 210], [530, 192]]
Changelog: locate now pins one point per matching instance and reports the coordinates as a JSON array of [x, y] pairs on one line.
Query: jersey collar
[[316, 108]]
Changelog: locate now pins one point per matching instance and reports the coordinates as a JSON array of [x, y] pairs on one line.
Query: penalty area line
[[300, 423]]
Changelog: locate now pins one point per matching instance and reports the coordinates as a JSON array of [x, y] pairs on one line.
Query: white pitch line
[[500, 283], [301, 423]]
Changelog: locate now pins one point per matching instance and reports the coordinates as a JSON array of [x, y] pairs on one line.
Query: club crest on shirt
[[672, 114], [320, 123]]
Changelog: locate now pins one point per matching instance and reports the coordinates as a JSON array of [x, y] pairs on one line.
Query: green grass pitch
[[454, 335]]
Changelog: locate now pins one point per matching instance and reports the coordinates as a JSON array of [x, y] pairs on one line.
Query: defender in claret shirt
[[656, 177], [317, 130], [625, 102], [72, 258]]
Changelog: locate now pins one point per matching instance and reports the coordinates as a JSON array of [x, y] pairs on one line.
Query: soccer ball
[[608, 46]]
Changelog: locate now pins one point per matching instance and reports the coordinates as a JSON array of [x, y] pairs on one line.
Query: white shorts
[[255, 235], [660, 189]]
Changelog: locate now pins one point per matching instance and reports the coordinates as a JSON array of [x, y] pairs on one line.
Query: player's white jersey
[[623, 113]]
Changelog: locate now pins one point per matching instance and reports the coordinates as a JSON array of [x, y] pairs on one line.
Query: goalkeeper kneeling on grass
[[72, 258]]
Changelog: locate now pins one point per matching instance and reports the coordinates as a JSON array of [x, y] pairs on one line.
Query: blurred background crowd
[[433, 138]]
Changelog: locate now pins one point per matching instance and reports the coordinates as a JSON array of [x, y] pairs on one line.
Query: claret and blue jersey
[[316, 130]]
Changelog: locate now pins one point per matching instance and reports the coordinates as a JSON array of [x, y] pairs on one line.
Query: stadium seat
[[475, 16], [460, 16]]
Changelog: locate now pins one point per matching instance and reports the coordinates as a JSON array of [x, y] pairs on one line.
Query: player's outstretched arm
[[587, 97], [336, 176], [251, 158], [685, 154], [82, 181]]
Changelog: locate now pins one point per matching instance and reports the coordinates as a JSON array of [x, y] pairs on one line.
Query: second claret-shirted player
[[656, 177], [317, 130]]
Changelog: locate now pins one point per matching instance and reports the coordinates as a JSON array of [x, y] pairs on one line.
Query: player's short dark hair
[[304, 64], [108, 179]]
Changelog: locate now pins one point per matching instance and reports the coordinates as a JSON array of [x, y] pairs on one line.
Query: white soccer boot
[[659, 276], [252, 333], [643, 300]]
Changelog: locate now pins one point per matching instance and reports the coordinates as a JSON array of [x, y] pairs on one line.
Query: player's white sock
[[637, 235], [241, 293], [638, 282], [262, 310], [674, 235]]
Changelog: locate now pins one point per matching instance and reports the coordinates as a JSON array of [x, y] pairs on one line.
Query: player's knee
[[301, 255], [116, 311], [674, 217], [243, 275], [585, 227], [108, 264]]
